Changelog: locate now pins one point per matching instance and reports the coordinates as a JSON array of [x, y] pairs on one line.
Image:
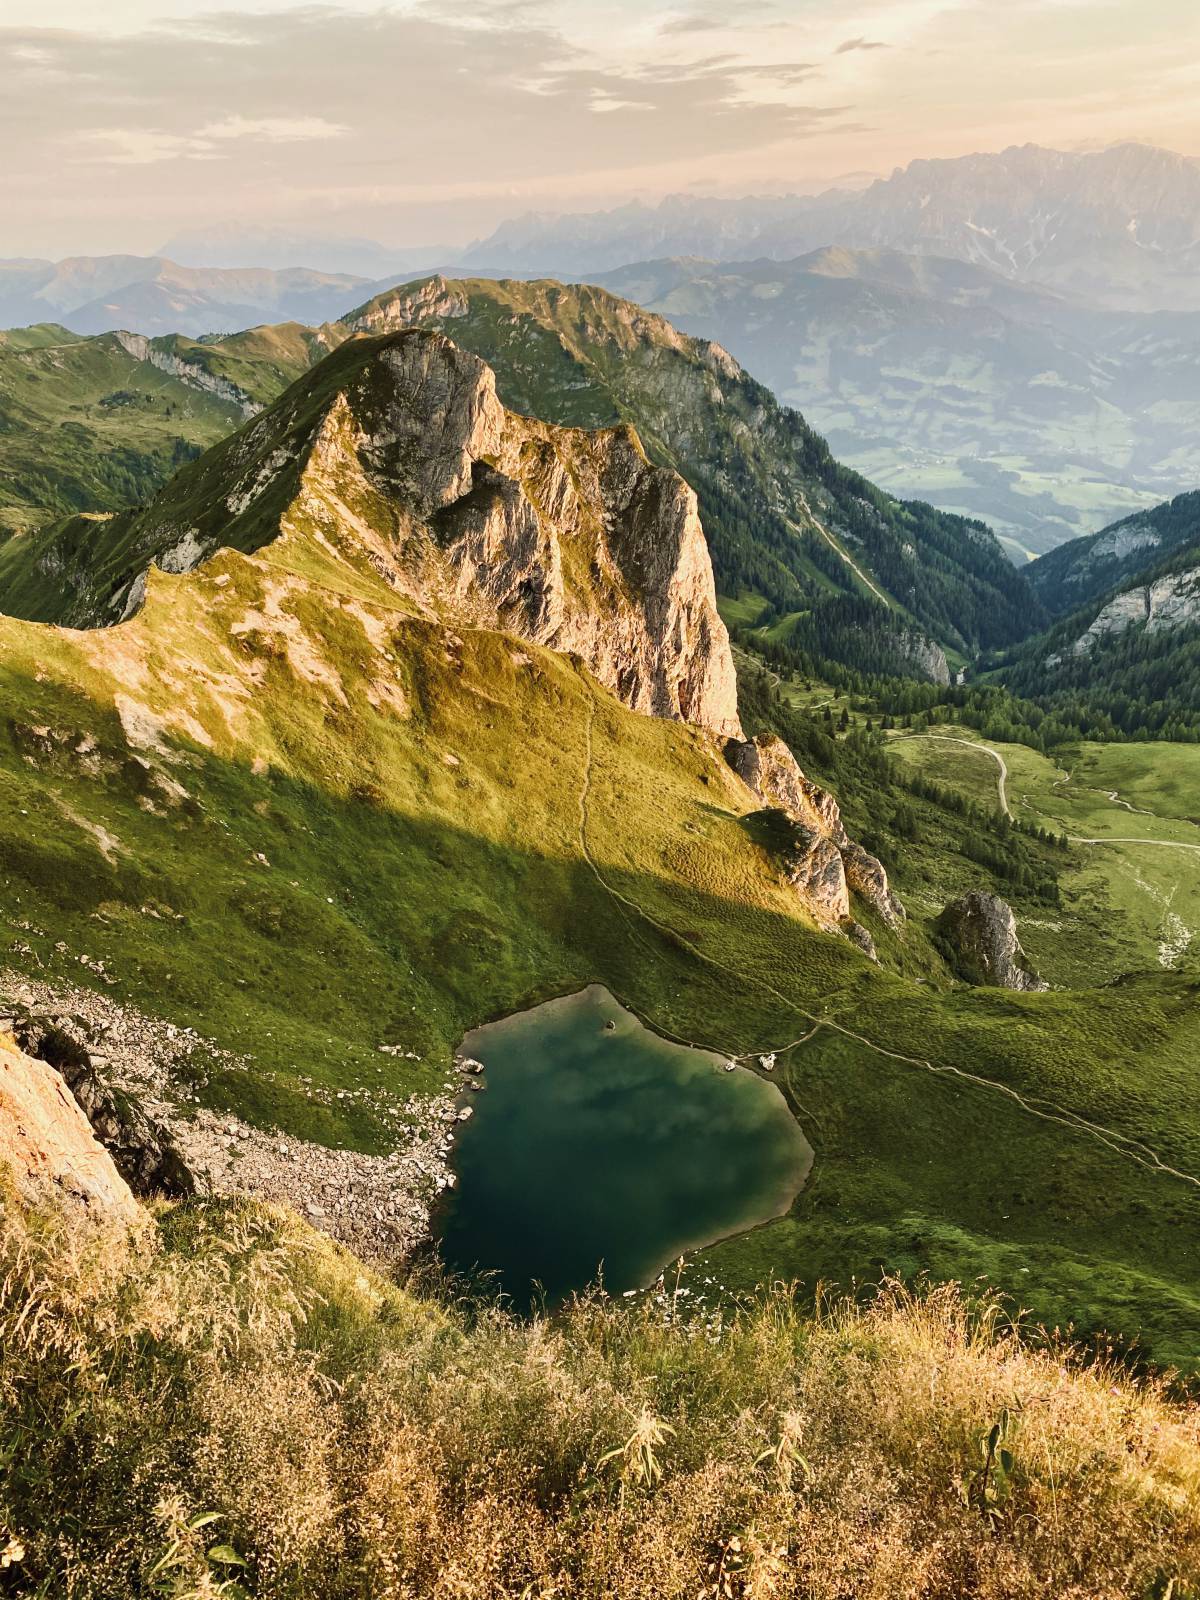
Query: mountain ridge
[[1110, 224], [947, 381], [860, 571]]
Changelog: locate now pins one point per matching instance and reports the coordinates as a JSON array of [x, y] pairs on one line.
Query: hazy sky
[[124, 121]]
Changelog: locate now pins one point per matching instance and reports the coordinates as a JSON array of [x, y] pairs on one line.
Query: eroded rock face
[[48, 1145], [568, 538], [981, 932], [813, 866], [770, 770], [1171, 602], [480, 517]]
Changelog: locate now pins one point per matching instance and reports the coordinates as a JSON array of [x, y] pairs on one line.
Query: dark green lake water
[[595, 1149]]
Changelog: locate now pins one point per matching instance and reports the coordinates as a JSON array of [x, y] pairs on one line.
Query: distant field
[[1131, 905], [1031, 504]]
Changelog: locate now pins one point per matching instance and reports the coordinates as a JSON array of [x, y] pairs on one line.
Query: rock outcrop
[[822, 861], [400, 458], [1171, 602], [141, 1149], [47, 1143], [980, 934], [813, 865]]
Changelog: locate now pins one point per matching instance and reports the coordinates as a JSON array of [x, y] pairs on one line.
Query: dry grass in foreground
[[239, 1408]]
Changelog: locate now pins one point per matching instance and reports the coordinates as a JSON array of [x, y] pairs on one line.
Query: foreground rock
[[141, 1148], [377, 1205], [980, 932], [47, 1143], [822, 861]]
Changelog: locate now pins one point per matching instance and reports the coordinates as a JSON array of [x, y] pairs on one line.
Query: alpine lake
[[598, 1151]]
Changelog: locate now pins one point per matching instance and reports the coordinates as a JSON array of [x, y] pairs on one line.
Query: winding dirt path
[[760, 666], [1046, 1111], [1166, 844], [973, 744]]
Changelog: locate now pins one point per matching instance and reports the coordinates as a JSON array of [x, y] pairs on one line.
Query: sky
[[427, 122]]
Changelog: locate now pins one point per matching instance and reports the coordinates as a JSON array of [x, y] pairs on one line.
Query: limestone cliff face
[[824, 863], [1171, 602], [47, 1143], [981, 932], [481, 518], [189, 372]]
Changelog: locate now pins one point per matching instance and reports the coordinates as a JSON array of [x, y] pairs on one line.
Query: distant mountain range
[[1040, 412], [1119, 226], [214, 245], [1011, 337], [152, 295]]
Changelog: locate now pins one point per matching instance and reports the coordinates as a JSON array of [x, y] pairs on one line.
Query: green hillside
[[98, 424]]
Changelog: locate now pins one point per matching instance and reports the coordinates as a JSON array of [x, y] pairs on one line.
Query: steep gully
[[1118, 1143], [836, 548]]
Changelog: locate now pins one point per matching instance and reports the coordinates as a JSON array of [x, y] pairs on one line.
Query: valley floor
[[1131, 889]]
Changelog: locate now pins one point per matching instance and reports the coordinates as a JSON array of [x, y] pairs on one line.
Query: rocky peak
[[822, 861], [980, 932], [401, 459]]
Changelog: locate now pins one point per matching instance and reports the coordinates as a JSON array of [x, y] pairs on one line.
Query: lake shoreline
[[602, 1015]]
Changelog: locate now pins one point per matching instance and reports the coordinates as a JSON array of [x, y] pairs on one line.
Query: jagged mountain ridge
[[1121, 226], [781, 515], [398, 453]]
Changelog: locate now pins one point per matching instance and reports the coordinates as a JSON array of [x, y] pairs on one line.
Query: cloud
[[694, 22], [859, 44], [139, 147], [276, 130], [360, 112], [136, 147]]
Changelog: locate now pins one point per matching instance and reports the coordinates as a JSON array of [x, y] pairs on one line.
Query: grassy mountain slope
[[282, 808], [330, 1436]]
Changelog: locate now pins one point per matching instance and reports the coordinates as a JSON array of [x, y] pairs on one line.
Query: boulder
[[980, 934], [47, 1143]]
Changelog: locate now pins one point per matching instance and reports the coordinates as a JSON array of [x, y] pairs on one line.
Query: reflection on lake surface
[[597, 1145]]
